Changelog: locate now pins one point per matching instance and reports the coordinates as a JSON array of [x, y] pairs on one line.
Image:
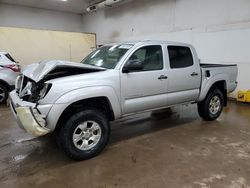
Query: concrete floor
[[146, 150]]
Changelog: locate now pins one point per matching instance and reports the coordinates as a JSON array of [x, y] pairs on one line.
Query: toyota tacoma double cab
[[77, 101]]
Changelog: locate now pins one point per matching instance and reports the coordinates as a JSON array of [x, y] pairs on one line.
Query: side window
[[150, 56], [180, 57]]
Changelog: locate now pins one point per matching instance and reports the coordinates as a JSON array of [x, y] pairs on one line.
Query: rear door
[[184, 75], [144, 89]]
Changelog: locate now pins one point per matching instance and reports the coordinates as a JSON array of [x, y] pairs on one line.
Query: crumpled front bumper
[[30, 122], [28, 116]]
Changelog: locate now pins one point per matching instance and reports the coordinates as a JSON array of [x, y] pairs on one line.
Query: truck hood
[[47, 70]]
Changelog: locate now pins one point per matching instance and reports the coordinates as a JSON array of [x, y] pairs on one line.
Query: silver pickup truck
[[78, 100]]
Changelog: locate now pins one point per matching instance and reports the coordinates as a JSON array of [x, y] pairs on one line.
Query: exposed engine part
[[31, 91]]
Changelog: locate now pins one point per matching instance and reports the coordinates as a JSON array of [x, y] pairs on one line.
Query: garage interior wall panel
[[35, 18], [31, 46], [219, 30]]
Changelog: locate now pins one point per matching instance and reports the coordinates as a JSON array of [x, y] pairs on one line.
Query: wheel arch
[[100, 103], [219, 81], [222, 86]]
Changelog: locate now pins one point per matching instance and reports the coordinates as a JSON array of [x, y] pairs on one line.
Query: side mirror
[[132, 66]]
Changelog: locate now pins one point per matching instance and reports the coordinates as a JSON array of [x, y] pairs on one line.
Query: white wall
[[34, 18], [219, 29], [146, 17]]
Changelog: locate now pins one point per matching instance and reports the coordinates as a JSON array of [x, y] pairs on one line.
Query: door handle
[[194, 74], [162, 77]]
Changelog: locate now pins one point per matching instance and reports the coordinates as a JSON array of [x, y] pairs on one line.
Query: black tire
[[3, 94], [66, 132], [204, 106]]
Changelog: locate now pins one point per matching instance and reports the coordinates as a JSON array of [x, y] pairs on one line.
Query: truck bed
[[228, 71]]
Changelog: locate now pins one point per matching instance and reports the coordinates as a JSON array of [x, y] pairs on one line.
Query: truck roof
[[150, 41]]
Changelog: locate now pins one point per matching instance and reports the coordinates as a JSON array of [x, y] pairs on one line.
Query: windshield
[[107, 56]]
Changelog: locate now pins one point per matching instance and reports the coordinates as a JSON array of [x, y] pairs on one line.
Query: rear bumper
[[28, 116]]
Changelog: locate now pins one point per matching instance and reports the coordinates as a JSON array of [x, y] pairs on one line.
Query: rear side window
[[180, 57]]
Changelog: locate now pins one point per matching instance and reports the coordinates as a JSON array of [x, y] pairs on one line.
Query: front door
[[145, 89]]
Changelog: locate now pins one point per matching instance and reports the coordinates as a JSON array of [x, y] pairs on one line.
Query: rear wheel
[[212, 106], [3, 94], [84, 135]]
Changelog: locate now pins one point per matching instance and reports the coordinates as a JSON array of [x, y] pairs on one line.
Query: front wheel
[[84, 135], [212, 106]]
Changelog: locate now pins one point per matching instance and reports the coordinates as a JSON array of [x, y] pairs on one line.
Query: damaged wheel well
[[99, 103]]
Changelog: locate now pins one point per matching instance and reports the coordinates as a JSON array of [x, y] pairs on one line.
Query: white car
[[78, 100], [9, 70]]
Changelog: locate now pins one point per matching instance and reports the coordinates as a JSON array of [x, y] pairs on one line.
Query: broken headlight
[[39, 91], [43, 92]]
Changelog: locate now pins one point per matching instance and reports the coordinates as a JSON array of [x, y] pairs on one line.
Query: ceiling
[[75, 6]]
